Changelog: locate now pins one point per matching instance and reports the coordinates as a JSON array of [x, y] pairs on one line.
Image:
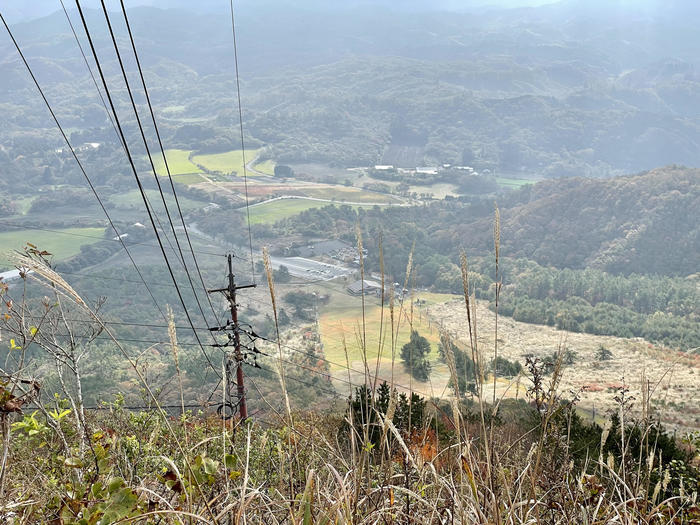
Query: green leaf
[[115, 484], [97, 490], [33, 330], [13, 345], [71, 462], [210, 466], [230, 461]]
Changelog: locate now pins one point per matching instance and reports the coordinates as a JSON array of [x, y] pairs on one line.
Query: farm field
[[61, 245], [438, 190], [343, 317], [266, 166], [512, 182], [132, 200], [349, 194], [273, 211], [178, 162], [226, 163], [672, 374]]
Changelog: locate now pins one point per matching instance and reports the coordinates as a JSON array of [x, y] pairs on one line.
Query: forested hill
[[646, 223]]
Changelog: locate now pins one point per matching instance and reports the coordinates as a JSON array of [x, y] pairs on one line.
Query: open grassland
[[132, 200], [61, 244], [347, 194], [271, 212], [178, 162], [342, 318], [189, 178], [673, 375], [226, 163], [438, 190], [266, 166], [508, 182]]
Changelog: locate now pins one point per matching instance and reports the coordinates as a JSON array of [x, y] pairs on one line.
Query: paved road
[[331, 201]]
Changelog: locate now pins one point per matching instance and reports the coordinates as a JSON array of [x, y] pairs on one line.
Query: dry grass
[[677, 374], [306, 468]]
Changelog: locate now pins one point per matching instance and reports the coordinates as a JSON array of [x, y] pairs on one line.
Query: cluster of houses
[[427, 170], [335, 249], [86, 146]]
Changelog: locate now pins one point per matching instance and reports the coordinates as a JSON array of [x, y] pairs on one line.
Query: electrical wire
[[150, 158], [87, 64], [240, 121], [138, 181], [80, 165], [167, 167]]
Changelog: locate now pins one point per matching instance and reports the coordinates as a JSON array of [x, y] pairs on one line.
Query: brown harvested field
[[674, 376]]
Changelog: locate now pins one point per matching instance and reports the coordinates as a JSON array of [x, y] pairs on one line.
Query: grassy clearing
[[266, 166], [271, 212], [190, 178], [439, 190], [62, 245], [229, 162], [344, 317], [178, 162], [675, 372], [512, 183], [132, 200]]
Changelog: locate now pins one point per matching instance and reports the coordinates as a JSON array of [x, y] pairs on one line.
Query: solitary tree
[[283, 171], [414, 356], [603, 354]]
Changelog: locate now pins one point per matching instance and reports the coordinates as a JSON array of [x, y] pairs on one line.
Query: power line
[[80, 165], [150, 158], [240, 120], [87, 64], [167, 168], [13, 224], [138, 181], [77, 40]]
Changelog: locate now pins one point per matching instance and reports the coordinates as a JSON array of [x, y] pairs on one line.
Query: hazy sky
[[16, 10]]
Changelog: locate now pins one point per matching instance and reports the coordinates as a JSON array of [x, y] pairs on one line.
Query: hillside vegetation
[[646, 223]]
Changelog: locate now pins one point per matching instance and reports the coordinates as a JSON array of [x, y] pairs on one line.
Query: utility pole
[[234, 329]]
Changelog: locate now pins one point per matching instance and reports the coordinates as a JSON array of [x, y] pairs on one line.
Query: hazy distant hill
[[568, 89], [646, 223]]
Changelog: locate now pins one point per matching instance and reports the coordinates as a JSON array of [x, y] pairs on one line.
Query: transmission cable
[[140, 185], [240, 121], [80, 165], [150, 159], [87, 64], [165, 162]]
